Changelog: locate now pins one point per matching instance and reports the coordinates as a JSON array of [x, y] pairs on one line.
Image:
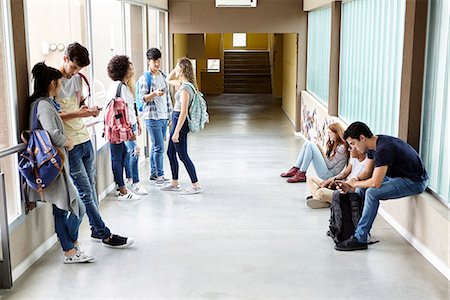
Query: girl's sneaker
[[171, 188], [190, 190], [79, 257], [137, 188], [128, 196]]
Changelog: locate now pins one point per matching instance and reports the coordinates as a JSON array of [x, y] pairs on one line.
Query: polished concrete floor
[[248, 236]]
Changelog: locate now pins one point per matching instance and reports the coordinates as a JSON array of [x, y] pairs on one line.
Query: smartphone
[[163, 89], [100, 108]]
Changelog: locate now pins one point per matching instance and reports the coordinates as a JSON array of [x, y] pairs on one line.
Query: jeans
[[67, 225], [82, 171], [391, 188], [181, 149], [118, 156], [157, 130], [132, 159], [311, 153]]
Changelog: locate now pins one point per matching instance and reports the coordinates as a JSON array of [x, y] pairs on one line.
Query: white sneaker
[[137, 188], [79, 257], [190, 190], [128, 183], [128, 196]]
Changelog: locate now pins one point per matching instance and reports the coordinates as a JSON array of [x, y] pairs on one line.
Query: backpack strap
[[149, 80], [119, 88], [84, 78]]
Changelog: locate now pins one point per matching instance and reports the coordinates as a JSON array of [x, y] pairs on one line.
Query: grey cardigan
[[62, 191]]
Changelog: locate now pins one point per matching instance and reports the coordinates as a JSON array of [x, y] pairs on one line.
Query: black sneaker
[[153, 177], [95, 237], [350, 244], [117, 241]]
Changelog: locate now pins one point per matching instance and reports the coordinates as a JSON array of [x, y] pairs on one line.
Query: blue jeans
[[391, 188], [311, 153], [181, 149], [132, 159], [118, 156], [157, 130], [82, 171], [67, 225]]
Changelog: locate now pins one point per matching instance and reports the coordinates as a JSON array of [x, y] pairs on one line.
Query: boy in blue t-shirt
[[398, 172]]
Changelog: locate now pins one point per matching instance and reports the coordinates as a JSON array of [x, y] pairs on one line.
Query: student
[[120, 71], [157, 113], [82, 157], [180, 129], [68, 210], [398, 172], [133, 149], [322, 190], [327, 164]]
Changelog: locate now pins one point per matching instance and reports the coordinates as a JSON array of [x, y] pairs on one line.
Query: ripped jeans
[[82, 171]]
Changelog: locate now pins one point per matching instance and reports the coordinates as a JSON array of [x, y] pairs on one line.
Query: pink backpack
[[117, 123]]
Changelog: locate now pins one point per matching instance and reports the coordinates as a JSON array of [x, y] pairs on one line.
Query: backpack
[[117, 123], [197, 114], [40, 163], [139, 104], [346, 210]]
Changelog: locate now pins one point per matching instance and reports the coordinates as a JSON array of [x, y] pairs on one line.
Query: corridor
[[248, 236]]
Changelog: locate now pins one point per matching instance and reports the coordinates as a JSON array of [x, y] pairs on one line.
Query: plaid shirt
[[150, 109]]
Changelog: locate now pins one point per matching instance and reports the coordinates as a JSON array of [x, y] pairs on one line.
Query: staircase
[[247, 72]]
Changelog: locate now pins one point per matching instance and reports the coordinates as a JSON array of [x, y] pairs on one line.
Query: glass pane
[[8, 165], [239, 40], [371, 63], [163, 43], [153, 15], [318, 68], [107, 41]]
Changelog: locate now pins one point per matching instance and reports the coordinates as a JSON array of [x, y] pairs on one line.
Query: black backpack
[[346, 210]]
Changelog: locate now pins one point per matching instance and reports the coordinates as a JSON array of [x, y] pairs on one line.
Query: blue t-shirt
[[402, 160]]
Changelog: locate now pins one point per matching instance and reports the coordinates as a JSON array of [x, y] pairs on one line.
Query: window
[[371, 63], [213, 65], [318, 56], [239, 40], [8, 129], [435, 146]]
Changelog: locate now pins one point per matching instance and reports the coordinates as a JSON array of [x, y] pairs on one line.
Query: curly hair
[[118, 67], [187, 70]]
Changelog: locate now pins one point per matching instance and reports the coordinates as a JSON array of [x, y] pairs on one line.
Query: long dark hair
[[43, 75]]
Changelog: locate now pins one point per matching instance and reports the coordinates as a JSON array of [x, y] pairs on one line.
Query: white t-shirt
[[357, 167], [126, 95]]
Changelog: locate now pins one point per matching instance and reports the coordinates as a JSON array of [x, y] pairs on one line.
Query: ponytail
[[43, 76]]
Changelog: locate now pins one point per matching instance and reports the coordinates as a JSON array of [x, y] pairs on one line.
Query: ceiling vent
[[236, 3]]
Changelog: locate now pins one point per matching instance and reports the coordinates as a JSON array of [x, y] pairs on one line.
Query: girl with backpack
[[180, 129], [117, 119], [68, 210], [327, 163]]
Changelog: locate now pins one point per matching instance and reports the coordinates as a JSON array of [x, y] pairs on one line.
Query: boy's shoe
[[137, 188], [95, 237], [79, 257], [153, 177], [191, 190], [128, 196], [171, 188], [128, 183], [117, 241], [350, 244], [160, 180], [314, 203]]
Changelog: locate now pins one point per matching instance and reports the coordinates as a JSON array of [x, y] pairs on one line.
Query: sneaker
[[118, 242], [128, 196], [116, 192], [153, 177], [95, 237], [79, 257], [191, 190], [161, 180], [314, 203], [128, 183], [137, 188], [171, 188], [350, 244], [290, 173]]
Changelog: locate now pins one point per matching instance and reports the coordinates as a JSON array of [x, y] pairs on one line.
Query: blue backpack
[[198, 111], [41, 162], [139, 104]]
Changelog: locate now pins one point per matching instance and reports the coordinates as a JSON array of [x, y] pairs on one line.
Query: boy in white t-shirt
[[322, 190]]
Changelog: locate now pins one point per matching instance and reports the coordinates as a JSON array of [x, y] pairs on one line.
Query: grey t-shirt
[[186, 87], [158, 82]]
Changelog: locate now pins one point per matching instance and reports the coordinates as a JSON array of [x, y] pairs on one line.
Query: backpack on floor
[[346, 210], [117, 122], [40, 163], [198, 111]]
